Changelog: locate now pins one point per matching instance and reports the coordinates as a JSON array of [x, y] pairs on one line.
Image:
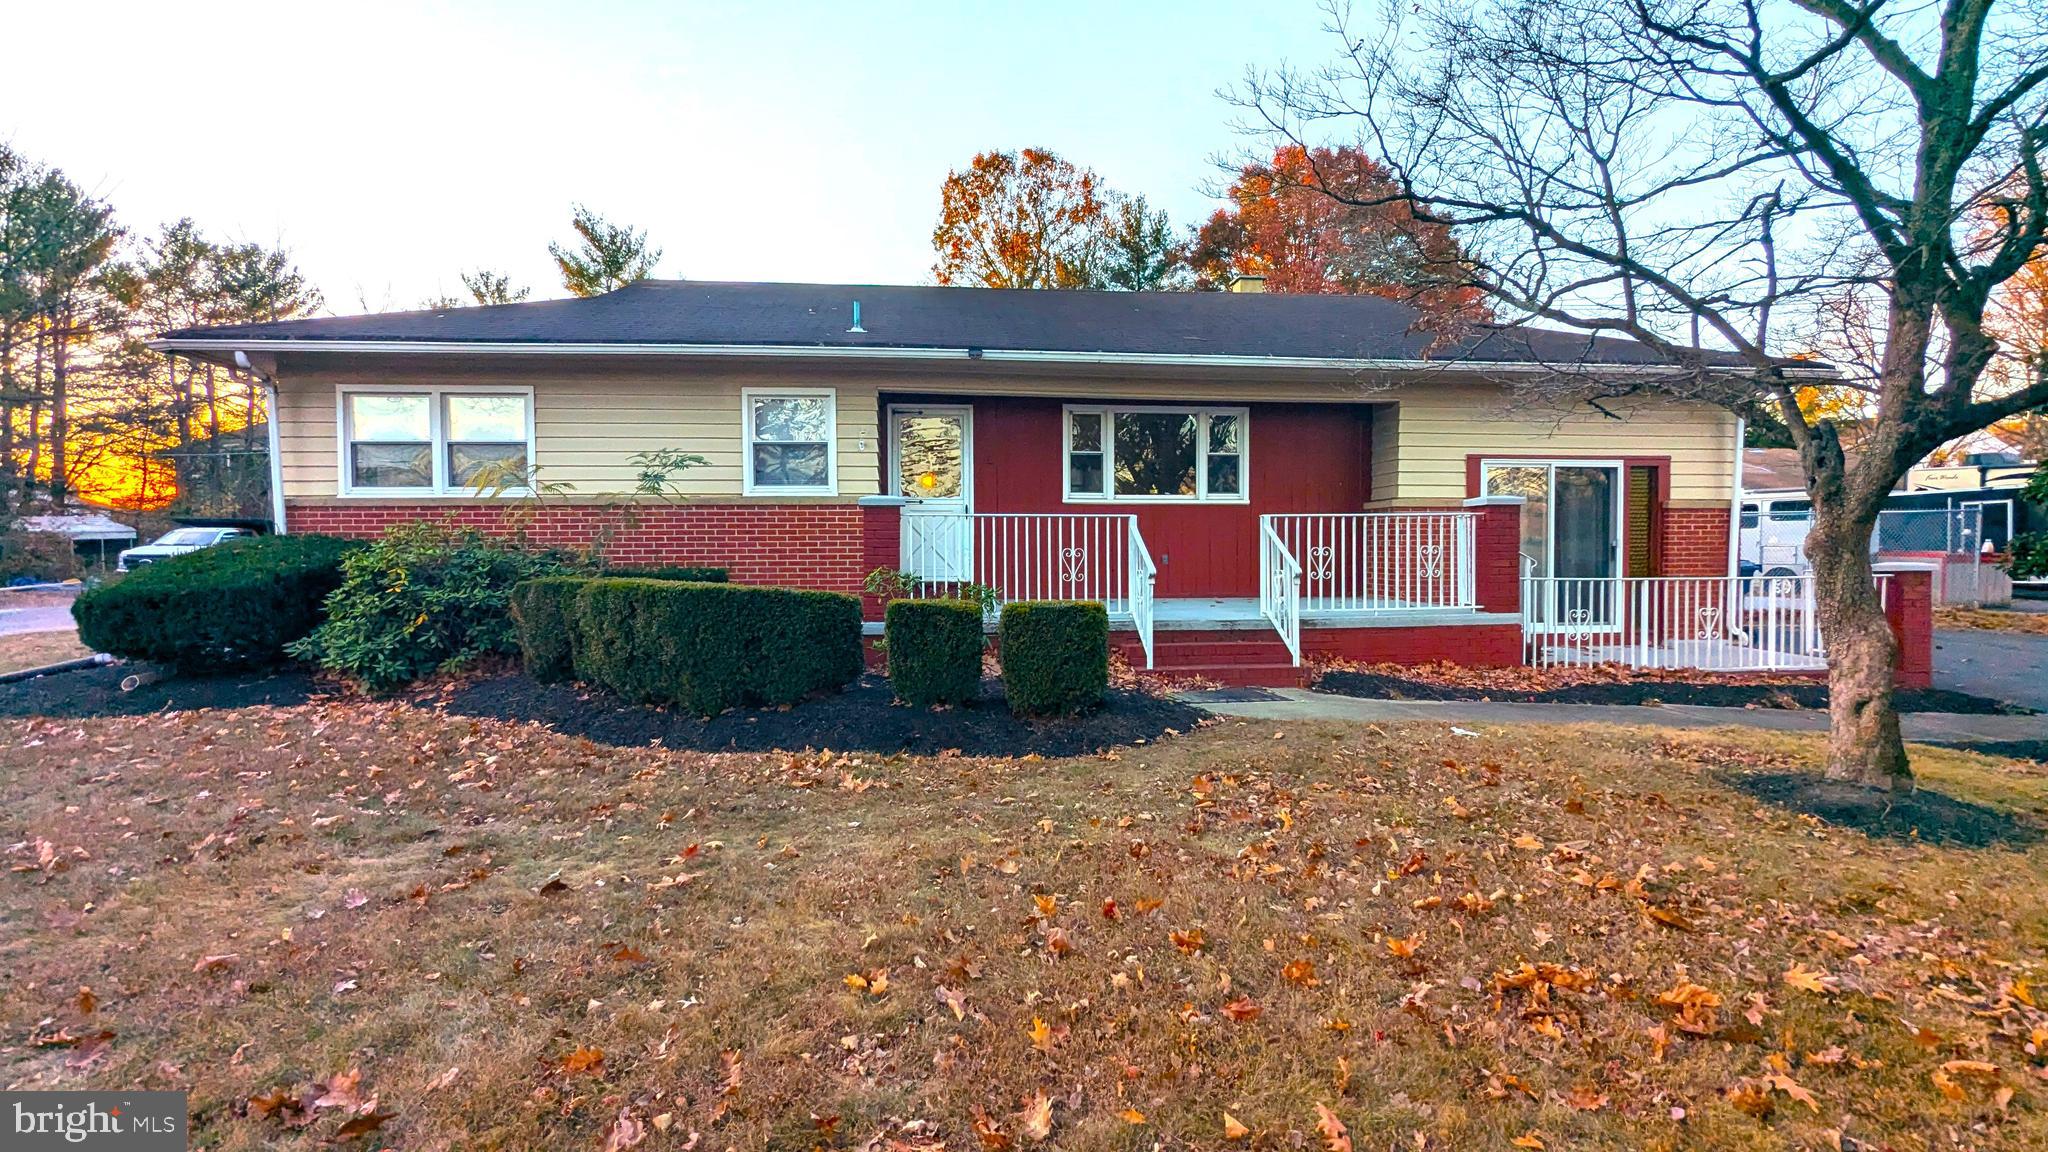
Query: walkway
[[1297, 704]]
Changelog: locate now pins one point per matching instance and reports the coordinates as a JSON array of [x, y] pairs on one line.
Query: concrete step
[[1244, 675]]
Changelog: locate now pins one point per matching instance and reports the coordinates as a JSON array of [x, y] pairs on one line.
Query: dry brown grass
[[35, 649], [1991, 620], [1252, 920]]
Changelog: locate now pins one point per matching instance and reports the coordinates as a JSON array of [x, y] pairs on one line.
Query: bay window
[[435, 441], [1157, 454], [790, 442]]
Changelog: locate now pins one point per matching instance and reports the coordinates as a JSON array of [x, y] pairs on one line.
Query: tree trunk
[[1864, 744]]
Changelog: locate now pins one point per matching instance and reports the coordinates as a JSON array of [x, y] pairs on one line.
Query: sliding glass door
[[1571, 535]]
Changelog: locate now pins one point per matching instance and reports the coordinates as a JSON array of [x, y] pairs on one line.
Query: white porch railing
[[1280, 587], [1381, 561], [1035, 556], [1708, 623]]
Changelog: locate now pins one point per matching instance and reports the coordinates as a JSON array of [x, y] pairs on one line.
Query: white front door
[[931, 460]]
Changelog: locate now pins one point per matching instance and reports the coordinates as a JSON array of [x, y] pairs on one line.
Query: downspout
[[270, 437], [1735, 502]]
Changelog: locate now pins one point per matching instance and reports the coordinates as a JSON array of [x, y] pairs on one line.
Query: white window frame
[[747, 486], [437, 438], [1202, 413]]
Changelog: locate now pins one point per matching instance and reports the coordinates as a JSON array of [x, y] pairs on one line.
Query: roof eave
[[223, 346]]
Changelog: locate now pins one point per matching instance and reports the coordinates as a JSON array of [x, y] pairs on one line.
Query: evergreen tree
[[607, 257]]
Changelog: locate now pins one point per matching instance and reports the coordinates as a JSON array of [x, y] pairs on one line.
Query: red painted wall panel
[[1304, 458]]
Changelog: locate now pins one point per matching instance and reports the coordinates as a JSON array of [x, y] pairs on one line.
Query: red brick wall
[[1497, 565], [1909, 607], [1695, 542], [796, 545]]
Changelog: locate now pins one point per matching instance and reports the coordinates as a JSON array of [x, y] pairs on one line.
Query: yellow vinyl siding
[[1441, 425], [586, 429], [589, 421]]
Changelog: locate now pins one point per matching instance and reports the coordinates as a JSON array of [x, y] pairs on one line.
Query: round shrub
[[934, 650], [425, 598], [1055, 655], [235, 605], [543, 612], [709, 647]]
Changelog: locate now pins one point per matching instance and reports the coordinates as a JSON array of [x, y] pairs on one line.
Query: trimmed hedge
[[1055, 655], [934, 650], [544, 610], [709, 647], [234, 605], [670, 572]]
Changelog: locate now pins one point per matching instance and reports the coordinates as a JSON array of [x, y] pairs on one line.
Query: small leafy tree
[[490, 287]]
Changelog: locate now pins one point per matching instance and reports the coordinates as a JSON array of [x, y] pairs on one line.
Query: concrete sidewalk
[[1298, 704]]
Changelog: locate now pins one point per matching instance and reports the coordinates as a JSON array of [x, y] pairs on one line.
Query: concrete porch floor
[[1235, 613]]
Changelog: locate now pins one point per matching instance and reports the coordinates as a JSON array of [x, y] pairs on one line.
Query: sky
[[392, 146]]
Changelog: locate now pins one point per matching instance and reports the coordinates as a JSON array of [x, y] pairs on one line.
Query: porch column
[[881, 536], [1497, 553], [1909, 609]]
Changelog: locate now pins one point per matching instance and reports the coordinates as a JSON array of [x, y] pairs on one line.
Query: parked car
[[177, 542]]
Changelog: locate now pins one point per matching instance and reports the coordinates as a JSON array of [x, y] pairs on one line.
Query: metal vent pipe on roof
[[856, 318]]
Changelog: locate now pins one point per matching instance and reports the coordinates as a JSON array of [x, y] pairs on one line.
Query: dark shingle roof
[[692, 312]]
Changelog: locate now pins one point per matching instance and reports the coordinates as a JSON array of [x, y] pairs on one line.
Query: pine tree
[[608, 257]]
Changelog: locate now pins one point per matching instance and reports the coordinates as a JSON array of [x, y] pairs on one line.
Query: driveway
[[2008, 666], [35, 612]]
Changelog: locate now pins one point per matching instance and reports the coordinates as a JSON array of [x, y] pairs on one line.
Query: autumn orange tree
[[1026, 219], [1323, 220]]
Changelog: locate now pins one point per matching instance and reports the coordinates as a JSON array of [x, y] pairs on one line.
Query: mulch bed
[[97, 692], [863, 718], [1922, 815], [1716, 694]]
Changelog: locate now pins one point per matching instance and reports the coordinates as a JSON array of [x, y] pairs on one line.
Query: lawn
[[375, 925], [23, 650]]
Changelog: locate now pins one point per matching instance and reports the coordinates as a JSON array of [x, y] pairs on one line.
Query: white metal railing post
[[1378, 561], [1280, 599], [1139, 575]]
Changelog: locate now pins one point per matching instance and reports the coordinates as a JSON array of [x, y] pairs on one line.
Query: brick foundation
[[1693, 542], [797, 545]]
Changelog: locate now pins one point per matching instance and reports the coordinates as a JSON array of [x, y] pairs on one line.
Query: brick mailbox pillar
[[1497, 553], [881, 536], [1909, 607]]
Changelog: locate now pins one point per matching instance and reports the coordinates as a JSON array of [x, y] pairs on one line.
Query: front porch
[[1375, 586]]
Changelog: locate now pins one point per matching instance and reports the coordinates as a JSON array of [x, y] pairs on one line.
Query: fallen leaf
[[1036, 1118], [1335, 1137], [1810, 979], [1232, 1130], [362, 1125], [1242, 1010]]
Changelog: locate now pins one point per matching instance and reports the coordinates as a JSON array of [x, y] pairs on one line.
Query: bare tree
[[1703, 177]]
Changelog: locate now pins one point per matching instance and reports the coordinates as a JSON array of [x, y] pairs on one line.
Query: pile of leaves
[[1992, 620], [1312, 936]]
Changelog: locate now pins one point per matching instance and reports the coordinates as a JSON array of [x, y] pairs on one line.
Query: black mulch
[[863, 718], [97, 692], [1923, 815], [1379, 686]]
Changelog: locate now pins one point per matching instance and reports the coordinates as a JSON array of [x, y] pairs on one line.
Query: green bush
[[236, 605], [543, 612], [670, 572], [709, 647], [1055, 655], [934, 650], [41, 557], [423, 599], [2029, 556]]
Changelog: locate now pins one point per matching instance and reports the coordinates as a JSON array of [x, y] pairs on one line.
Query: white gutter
[[817, 352], [1735, 502]]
